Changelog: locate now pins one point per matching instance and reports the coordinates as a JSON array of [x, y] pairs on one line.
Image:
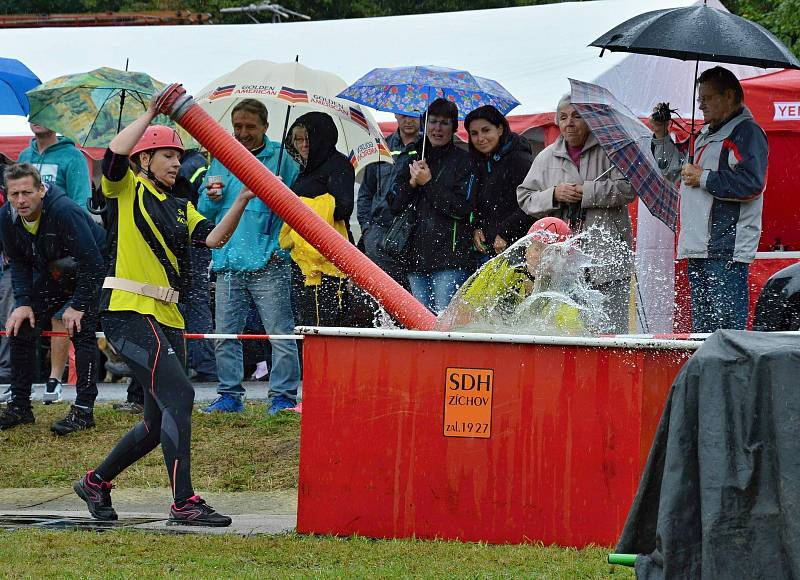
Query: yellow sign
[[468, 402]]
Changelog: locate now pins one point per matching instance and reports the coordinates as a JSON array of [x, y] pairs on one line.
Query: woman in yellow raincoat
[[326, 185]]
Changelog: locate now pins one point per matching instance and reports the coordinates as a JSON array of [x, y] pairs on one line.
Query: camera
[[662, 113]]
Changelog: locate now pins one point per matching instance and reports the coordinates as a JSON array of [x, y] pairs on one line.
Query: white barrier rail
[[196, 336]]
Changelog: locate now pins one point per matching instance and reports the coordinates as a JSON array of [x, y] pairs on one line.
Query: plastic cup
[[214, 187]]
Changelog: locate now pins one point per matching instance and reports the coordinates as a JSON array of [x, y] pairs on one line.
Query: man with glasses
[[721, 203]]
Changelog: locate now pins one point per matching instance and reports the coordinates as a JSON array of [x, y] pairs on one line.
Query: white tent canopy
[[531, 50]]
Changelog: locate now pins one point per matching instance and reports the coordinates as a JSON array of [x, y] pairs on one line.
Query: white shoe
[[52, 391], [5, 395]]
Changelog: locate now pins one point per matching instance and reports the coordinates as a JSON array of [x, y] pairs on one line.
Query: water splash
[[537, 288]]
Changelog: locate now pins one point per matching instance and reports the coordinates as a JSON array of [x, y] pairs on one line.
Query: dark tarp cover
[[720, 494]]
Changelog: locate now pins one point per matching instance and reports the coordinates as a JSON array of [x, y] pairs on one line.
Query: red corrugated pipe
[[174, 102]]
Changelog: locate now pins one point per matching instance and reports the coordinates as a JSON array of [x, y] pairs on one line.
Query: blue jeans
[[435, 289], [720, 296], [197, 313], [270, 290]]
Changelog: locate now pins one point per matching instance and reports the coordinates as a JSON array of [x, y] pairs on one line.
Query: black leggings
[[156, 354]]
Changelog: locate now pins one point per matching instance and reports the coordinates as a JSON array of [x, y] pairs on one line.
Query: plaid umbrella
[[626, 141]]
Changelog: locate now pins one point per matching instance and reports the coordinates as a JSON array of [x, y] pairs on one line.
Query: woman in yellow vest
[[513, 288], [150, 231]]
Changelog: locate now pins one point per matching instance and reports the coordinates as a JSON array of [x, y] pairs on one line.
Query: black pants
[[321, 305], [23, 352], [156, 354]]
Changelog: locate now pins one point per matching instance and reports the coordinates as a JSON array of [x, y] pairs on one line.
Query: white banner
[[789, 111]]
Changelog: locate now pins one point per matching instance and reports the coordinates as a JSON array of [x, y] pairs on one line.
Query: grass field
[[234, 453], [231, 452], [127, 554]]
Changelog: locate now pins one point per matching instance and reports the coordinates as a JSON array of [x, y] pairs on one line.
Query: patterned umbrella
[[92, 107], [409, 90], [288, 90], [626, 141]]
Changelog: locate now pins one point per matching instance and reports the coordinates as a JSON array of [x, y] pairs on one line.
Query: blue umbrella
[[409, 90], [15, 80]]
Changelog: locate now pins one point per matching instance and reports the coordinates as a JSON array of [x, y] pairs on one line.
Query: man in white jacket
[[721, 203]]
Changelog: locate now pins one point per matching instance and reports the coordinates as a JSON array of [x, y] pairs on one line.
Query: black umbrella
[[698, 33]]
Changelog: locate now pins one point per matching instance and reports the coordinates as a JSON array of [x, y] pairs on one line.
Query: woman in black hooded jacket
[[502, 160], [311, 140]]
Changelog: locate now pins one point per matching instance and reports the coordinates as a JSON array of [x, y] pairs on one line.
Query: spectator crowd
[[226, 263]]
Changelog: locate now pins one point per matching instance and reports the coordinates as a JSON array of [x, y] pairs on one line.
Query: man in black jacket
[[55, 250]]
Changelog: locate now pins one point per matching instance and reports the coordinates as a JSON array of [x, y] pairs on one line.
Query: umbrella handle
[[121, 107], [283, 137], [606, 172], [424, 138], [694, 97]]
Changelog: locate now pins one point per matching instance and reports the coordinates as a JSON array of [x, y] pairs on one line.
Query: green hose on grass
[[622, 559]]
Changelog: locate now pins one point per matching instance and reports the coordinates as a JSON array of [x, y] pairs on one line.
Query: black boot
[[12, 416], [76, 420]]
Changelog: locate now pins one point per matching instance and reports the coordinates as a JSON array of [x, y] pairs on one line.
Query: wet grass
[[234, 453], [130, 554], [231, 452]]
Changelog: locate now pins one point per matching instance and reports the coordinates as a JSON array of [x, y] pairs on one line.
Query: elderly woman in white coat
[[573, 179]]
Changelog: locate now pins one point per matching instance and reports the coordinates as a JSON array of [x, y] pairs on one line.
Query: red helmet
[[158, 137], [550, 230]]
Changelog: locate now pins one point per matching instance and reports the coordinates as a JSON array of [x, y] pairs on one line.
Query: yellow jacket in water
[[499, 289]]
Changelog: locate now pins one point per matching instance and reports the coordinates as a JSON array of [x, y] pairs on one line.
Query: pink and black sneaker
[[97, 497], [196, 512]]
